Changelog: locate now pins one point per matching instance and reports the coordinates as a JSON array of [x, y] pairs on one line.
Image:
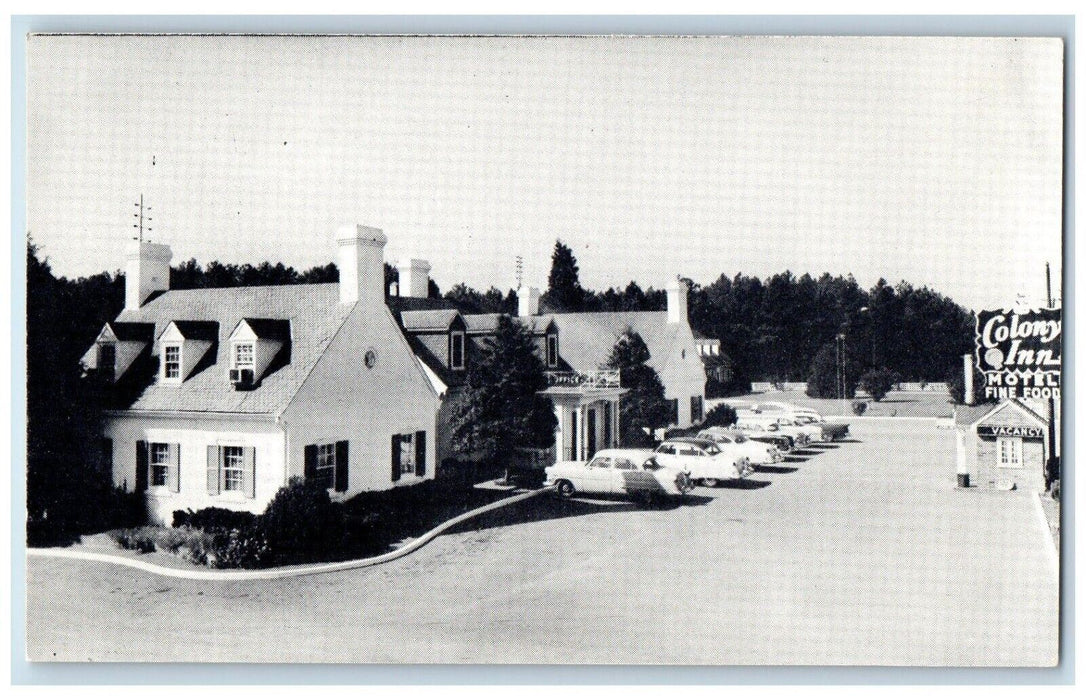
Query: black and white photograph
[[607, 349]]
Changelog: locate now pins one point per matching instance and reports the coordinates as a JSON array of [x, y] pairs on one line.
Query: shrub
[[212, 519], [1054, 490], [877, 382], [721, 415], [301, 524], [822, 377], [139, 539], [245, 548], [858, 407]]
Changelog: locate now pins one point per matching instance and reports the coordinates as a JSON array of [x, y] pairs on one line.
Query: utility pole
[[142, 216], [520, 271]]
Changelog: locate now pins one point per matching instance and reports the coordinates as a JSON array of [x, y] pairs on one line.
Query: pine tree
[[501, 407], [644, 407], [564, 284]]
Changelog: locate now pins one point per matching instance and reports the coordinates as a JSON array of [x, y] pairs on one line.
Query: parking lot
[[861, 552]]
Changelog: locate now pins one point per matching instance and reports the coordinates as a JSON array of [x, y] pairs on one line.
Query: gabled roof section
[[196, 330], [267, 328], [431, 320], [488, 323], [971, 415], [586, 339], [315, 316]]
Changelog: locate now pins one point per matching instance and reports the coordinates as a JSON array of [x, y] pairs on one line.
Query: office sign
[[1019, 352]]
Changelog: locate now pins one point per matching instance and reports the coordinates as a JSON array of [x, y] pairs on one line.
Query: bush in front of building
[[300, 525], [859, 407], [721, 416], [878, 382], [214, 519]]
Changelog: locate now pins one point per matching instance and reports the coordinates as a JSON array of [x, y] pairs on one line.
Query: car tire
[[565, 489], [710, 482]]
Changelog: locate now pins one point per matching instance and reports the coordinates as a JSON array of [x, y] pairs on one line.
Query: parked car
[[830, 431], [619, 471], [770, 435], [704, 461], [735, 442], [801, 415], [777, 424]]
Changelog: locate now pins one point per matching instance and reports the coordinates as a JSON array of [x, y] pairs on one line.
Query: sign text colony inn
[[221, 395]]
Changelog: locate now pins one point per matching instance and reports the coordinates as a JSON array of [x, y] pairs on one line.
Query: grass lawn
[[904, 404]]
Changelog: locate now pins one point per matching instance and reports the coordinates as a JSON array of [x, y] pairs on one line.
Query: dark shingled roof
[[197, 330], [313, 311], [585, 340], [270, 328], [436, 319], [141, 332]]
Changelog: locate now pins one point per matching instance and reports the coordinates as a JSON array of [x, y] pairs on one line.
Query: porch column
[[614, 422], [581, 449]]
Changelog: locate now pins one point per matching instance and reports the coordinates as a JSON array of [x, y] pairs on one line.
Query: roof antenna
[[520, 271], [141, 215]]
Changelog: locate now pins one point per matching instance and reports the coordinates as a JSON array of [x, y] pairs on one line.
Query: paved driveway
[[864, 554]]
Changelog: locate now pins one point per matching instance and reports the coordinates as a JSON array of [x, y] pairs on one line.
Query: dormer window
[[552, 350], [456, 350], [243, 355], [171, 366], [107, 360]]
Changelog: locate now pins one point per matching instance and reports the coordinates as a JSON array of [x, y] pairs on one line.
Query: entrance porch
[[587, 408]]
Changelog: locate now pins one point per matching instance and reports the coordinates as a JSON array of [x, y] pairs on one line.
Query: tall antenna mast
[[143, 219], [520, 271]]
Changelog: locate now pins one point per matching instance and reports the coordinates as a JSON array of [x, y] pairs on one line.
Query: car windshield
[[712, 449], [650, 464]]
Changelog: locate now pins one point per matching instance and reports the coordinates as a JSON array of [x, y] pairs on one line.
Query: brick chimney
[[414, 278], [361, 262], [146, 271], [676, 301], [527, 301]]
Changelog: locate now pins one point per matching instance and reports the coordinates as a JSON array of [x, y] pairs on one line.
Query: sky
[[933, 160]]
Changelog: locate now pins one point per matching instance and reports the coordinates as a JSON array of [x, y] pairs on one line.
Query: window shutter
[[213, 459], [248, 477], [420, 453], [174, 477], [395, 457], [142, 476], [342, 476], [107, 456], [310, 469]]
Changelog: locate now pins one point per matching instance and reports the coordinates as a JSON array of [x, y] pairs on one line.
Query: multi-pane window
[[172, 362], [1010, 452], [160, 463], [407, 453], [243, 354], [552, 350], [696, 408], [107, 359], [456, 350], [233, 468], [325, 473]]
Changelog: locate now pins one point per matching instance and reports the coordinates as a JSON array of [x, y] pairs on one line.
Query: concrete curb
[[282, 572], [1053, 556]]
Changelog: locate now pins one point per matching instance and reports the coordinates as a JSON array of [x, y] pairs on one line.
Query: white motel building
[[220, 396]]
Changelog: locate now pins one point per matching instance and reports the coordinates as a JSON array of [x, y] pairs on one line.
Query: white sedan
[[615, 471], [735, 442], [703, 460]]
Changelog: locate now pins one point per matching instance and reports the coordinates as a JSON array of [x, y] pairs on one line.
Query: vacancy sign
[[1019, 352]]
